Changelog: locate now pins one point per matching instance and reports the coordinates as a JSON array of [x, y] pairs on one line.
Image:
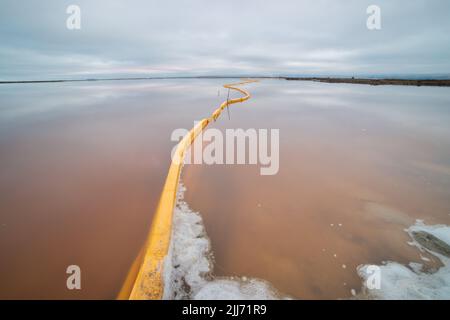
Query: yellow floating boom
[[145, 278]]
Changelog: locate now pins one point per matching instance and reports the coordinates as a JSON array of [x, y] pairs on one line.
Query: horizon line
[[304, 77]]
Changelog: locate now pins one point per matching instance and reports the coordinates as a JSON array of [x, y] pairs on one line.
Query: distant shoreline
[[365, 81], [379, 82]]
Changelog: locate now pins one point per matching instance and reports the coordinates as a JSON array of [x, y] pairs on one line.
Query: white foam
[[188, 268], [410, 282], [189, 262], [237, 289]]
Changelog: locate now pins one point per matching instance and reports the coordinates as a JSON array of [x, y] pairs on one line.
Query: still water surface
[[82, 166]]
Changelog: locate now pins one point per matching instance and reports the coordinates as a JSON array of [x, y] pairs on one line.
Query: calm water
[[82, 166]]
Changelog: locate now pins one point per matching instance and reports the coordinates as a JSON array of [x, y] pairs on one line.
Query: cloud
[[205, 37]]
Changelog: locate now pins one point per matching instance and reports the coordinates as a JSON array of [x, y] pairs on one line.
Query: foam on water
[[411, 282], [188, 268]]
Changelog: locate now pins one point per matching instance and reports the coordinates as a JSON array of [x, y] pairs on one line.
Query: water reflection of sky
[[90, 159]]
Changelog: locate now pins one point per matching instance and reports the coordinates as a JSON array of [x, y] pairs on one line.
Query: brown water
[[358, 164], [82, 166]]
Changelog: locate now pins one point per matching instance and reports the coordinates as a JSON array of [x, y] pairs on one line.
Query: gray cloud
[[204, 37]]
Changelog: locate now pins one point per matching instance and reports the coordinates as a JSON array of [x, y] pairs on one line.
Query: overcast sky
[[210, 37]]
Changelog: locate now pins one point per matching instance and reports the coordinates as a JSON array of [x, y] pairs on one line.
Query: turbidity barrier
[[145, 278]]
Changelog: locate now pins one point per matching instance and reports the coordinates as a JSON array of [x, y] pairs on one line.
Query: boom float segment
[[145, 279]]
